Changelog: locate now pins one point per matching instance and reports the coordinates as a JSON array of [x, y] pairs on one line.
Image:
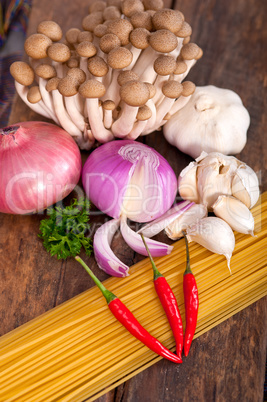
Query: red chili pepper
[[191, 302], [128, 320], [169, 303]]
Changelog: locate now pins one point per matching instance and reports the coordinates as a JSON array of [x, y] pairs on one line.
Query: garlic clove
[[187, 183], [182, 222], [235, 213], [214, 176], [245, 186], [215, 235]]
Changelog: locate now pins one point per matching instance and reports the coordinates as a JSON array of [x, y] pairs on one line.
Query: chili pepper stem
[[188, 268], [109, 296], [156, 272]]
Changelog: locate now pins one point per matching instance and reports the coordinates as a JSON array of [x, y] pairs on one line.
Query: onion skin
[[41, 164], [108, 172]]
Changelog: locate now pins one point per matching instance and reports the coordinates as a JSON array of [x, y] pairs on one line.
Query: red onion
[[127, 179], [41, 164]]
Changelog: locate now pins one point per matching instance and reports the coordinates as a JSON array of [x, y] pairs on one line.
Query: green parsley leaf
[[65, 231]]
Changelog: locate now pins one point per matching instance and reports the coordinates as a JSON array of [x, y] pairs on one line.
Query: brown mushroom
[[108, 107], [92, 90], [23, 75], [133, 94], [59, 53], [51, 29]]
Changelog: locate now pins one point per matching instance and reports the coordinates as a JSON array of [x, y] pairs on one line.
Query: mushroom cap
[[120, 57], [108, 105], [144, 113], [153, 4], [168, 19], [85, 36], [51, 29], [86, 49], [77, 74], [45, 71], [68, 86], [97, 66], [72, 35], [98, 5], [142, 19], [164, 65], [116, 3], [92, 20], [127, 75], [172, 89], [22, 73], [180, 68], [121, 28], [130, 7], [100, 30], [134, 93], [152, 89], [92, 89], [163, 41], [190, 51], [111, 13], [36, 46], [139, 38], [34, 94], [73, 62], [188, 88], [52, 84], [184, 31], [59, 52], [108, 42]]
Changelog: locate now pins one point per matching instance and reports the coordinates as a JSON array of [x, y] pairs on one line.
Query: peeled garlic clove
[[245, 186], [214, 234], [235, 213], [182, 222], [187, 183]]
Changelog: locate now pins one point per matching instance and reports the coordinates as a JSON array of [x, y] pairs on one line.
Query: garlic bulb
[[235, 213], [183, 221], [215, 174], [214, 119], [214, 234]]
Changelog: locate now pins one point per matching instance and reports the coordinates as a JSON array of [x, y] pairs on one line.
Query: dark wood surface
[[228, 362]]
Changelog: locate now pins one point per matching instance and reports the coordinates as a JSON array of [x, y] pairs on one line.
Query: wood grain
[[228, 362]]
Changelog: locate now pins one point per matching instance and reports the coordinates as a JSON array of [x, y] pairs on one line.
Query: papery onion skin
[[41, 164], [108, 171]]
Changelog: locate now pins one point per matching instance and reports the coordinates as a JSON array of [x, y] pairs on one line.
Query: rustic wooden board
[[228, 362]]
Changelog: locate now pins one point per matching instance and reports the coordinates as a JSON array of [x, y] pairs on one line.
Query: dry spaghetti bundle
[[78, 350]]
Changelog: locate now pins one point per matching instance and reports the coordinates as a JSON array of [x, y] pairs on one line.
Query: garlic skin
[[188, 218], [187, 183], [215, 235], [214, 119], [215, 174], [245, 186], [235, 213]]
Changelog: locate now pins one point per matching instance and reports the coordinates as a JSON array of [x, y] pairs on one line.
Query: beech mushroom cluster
[[120, 75]]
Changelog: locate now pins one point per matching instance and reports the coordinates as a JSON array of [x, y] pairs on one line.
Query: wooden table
[[228, 362]]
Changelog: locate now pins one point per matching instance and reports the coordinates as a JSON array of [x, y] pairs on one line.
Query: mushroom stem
[[124, 124], [62, 115], [75, 115], [47, 99], [112, 91], [100, 133], [144, 65], [36, 107], [179, 104], [137, 129], [150, 122]]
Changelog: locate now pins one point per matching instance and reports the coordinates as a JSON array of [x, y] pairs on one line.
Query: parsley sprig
[[65, 231]]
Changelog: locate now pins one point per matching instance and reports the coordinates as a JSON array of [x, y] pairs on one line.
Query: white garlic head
[[214, 119]]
